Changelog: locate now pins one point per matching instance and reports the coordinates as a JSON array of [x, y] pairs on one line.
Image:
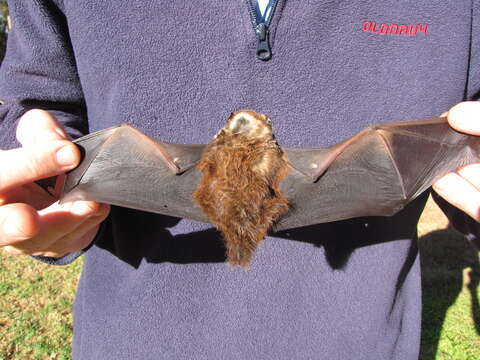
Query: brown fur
[[240, 188]]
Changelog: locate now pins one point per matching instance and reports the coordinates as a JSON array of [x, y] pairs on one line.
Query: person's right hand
[[31, 220]]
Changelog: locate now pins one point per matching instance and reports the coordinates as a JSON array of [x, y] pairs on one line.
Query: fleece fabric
[[157, 287]]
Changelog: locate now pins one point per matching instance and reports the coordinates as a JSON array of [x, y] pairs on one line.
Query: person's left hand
[[462, 188]]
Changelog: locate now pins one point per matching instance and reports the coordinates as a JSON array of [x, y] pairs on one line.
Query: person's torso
[[175, 70]]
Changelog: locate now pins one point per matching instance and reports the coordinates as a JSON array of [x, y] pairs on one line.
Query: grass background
[[450, 286], [35, 304]]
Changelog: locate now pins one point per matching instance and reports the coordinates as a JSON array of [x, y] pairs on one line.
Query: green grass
[[450, 279], [36, 300], [35, 308]]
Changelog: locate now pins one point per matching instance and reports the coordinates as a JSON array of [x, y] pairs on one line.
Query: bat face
[[249, 124]]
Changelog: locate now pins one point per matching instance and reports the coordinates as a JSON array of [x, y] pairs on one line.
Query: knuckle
[[28, 120], [41, 160], [19, 224], [92, 207], [33, 115], [37, 124], [85, 208]]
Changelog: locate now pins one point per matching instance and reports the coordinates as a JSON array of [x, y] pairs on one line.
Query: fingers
[[471, 173], [60, 220], [465, 117], [31, 194], [18, 222], [27, 164], [462, 189], [81, 237], [61, 229], [46, 151], [75, 241]]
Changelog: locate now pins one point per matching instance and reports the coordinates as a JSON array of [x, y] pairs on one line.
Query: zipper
[[261, 29]]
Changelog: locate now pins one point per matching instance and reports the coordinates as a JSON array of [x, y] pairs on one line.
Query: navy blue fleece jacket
[[156, 287]]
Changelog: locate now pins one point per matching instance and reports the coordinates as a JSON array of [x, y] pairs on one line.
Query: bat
[[243, 167], [374, 173]]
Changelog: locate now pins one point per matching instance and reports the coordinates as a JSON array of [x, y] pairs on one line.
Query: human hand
[[31, 220], [462, 188]]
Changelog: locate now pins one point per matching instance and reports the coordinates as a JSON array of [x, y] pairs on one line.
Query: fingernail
[[11, 229], [66, 156]]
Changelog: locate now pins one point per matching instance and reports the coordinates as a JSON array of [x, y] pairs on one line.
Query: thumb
[[465, 117], [39, 126]]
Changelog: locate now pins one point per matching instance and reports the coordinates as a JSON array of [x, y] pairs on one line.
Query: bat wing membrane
[[374, 173], [124, 167]]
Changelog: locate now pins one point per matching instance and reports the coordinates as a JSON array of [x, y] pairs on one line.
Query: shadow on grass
[[449, 262]]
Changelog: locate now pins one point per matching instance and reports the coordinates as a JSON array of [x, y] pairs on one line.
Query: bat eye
[[268, 121]]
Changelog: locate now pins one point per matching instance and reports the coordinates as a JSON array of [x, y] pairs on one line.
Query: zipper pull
[[264, 52]]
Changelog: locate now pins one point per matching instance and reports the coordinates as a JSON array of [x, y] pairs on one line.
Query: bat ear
[[220, 132]]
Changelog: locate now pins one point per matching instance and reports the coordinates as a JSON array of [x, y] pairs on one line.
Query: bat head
[[249, 124]]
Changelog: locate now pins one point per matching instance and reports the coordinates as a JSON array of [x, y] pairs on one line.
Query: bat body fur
[[240, 188]]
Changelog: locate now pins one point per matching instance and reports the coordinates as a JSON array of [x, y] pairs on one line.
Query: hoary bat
[[374, 173]]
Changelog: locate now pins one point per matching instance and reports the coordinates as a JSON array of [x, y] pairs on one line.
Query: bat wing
[[374, 173], [124, 167]]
